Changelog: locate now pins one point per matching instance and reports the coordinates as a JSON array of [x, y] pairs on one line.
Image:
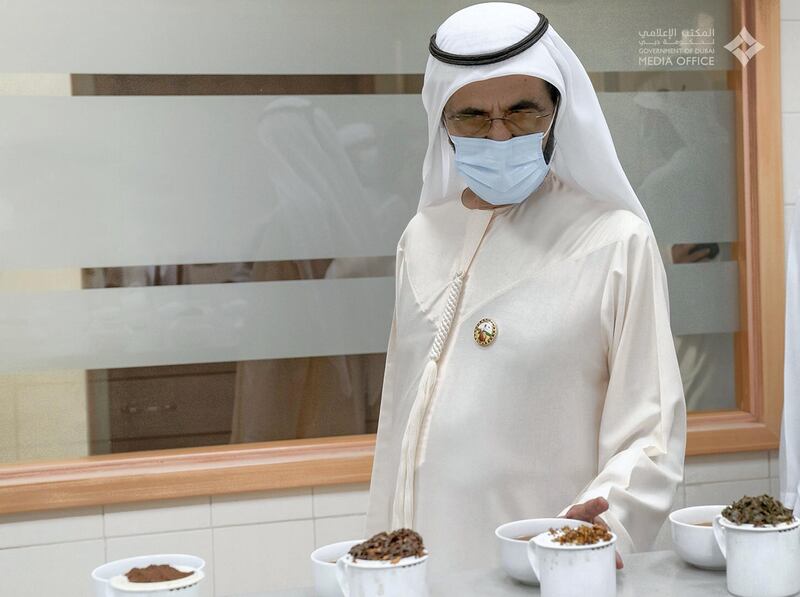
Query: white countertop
[[651, 574]]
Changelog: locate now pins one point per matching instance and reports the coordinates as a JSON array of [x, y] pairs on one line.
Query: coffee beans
[[758, 511], [583, 535], [393, 547]]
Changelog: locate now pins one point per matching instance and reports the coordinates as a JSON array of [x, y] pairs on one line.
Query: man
[[530, 370]]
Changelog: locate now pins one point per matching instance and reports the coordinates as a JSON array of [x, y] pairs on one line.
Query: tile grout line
[[159, 533], [695, 483], [212, 564], [234, 525], [105, 538], [53, 543], [313, 517], [340, 515]]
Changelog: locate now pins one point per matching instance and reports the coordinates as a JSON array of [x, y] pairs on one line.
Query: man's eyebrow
[[470, 111], [527, 104]]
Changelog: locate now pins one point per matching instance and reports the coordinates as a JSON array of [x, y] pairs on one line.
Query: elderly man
[[531, 371]]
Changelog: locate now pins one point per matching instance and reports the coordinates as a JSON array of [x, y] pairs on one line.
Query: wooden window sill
[[169, 474], [166, 474]]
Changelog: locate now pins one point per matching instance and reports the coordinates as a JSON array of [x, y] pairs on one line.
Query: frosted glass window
[[200, 203]]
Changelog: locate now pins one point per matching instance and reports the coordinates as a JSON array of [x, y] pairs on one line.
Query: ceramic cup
[[569, 570], [368, 578], [323, 567], [695, 544], [514, 553], [761, 561], [108, 580]]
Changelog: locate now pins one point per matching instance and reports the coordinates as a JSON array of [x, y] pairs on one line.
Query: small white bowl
[[514, 553], [323, 567], [696, 544], [107, 582]]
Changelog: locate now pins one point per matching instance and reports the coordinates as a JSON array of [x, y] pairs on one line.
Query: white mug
[[761, 561], [569, 570], [514, 552], [323, 567], [370, 578]]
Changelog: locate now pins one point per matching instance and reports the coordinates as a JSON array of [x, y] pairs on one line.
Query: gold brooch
[[485, 332]]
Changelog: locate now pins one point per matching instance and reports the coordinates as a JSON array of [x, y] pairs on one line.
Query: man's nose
[[498, 131]]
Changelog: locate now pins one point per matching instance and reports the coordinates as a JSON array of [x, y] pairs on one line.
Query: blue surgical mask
[[501, 172]]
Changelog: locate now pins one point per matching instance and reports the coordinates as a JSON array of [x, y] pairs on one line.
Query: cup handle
[[533, 559], [341, 576], [719, 534]]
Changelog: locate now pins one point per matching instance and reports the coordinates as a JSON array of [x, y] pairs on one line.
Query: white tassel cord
[[403, 508]]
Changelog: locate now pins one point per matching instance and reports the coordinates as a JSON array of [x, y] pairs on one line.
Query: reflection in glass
[[678, 152], [179, 406]]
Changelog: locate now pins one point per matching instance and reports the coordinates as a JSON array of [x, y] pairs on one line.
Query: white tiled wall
[[252, 542]]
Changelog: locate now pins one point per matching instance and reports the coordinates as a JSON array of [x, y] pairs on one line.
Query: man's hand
[[589, 512]]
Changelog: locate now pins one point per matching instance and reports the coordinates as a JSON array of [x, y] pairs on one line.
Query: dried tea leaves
[[392, 547], [758, 511], [156, 573], [583, 535]]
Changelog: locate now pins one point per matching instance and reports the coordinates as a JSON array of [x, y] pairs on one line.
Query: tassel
[[403, 507], [403, 511]]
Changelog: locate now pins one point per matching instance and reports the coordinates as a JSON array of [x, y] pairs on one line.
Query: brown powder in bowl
[[583, 535], [156, 573], [393, 547]]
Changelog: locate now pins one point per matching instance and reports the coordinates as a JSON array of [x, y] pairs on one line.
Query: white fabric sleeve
[[384, 469], [642, 436], [789, 457]]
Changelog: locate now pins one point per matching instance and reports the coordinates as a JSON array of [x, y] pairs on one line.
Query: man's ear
[[550, 146], [449, 140]]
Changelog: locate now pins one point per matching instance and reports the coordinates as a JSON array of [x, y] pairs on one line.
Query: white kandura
[[578, 396]]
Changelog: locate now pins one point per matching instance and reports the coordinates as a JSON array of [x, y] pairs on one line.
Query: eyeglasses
[[518, 122]]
